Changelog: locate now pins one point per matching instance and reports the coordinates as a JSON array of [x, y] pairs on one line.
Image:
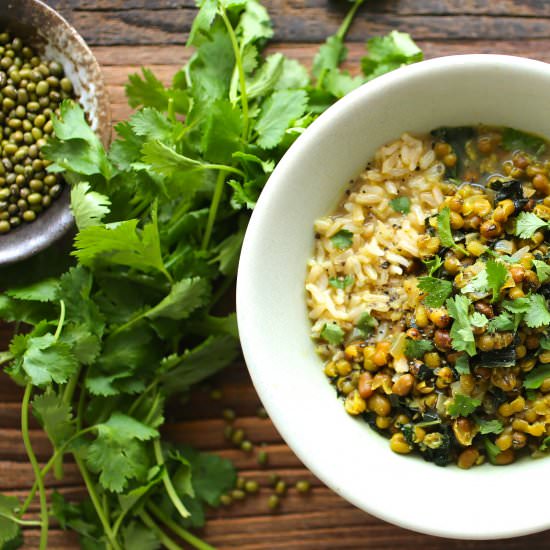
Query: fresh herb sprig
[[135, 317]]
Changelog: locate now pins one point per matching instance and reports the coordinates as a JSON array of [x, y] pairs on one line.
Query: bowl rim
[[62, 221], [247, 265]]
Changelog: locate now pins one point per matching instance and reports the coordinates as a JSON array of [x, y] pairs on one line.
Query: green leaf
[[151, 123], [10, 532], [341, 282], [545, 343], [366, 324], [543, 270], [389, 52], [266, 77], [180, 372], [166, 161], [513, 140], [138, 537], [47, 360], [491, 449], [478, 319], [444, 230], [415, 349], [462, 405], [496, 277], [537, 315], [118, 454], [401, 204], [75, 147], [502, 322], [203, 19], [343, 239], [332, 333], [221, 132], [121, 243], [433, 265], [44, 290], [536, 377], [461, 331], [527, 224], [54, 415], [489, 426], [88, 207], [477, 284], [228, 252], [185, 297], [330, 56], [462, 365], [255, 24], [278, 111], [436, 290]]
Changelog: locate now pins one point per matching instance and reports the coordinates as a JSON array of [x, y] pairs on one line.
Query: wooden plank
[[308, 21]]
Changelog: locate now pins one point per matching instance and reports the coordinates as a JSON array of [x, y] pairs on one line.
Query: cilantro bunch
[[135, 314]]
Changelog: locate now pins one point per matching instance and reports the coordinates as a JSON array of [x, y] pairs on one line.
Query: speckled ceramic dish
[[53, 37]]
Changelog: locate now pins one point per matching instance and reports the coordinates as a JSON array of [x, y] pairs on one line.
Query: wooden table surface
[[125, 34]]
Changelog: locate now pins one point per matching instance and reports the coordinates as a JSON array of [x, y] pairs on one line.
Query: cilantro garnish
[[444, 230], [496, 277], [492, 450], [543, 270], [366, 324], [401, 204], [436, 290], [433, 264], [478, 319], [527, 224], [342, 239], [341, 282], [536, 377], [494, 426], [332, 333], [537, 315], [462, 405], [415, 349], [462, 365], [461, 331], [513, 140]]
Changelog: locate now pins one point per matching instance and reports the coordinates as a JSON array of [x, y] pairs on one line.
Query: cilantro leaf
[[47, 360], [478, 319], [501, 322], [401, 204], [185, 296], [10, 532], [545, 343], [462, 365], [341, 282], [415, 349], [332, 333], [139, 537], [536, 377], [494, 426], [462, 405], [492, 450], [527, 224], [121, 243], [537, 315], [366, 324], [390, 52], [118, 454], [44, 290], [444, 230], [543, 270], [279, 110], [513, 140], [54, 415], [343, 239], [433, 265], [461, 331], [478, 283], [88, 207], [436, 290], [496, 277]]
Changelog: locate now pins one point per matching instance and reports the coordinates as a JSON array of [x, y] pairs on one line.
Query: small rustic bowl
[[485, 502], [55, 39]]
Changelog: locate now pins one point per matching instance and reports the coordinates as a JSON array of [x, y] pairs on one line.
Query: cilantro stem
[[61, 320], [5, 357], [170, 489], [177, 530], [23, 522], [346, 23], [240, 69], [162, 536], [213, 211], [223, 168], [44, 520], [97, 504]]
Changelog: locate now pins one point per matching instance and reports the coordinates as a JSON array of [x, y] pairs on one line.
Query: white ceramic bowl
[[482, 503]]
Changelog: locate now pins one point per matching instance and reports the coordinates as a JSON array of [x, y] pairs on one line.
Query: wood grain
[[129, 33]]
